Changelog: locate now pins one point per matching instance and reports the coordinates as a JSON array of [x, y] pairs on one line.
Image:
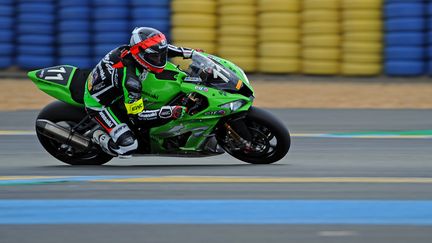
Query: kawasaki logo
[[106, 120]]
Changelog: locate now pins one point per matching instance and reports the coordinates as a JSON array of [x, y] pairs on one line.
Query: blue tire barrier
[[36, 18], [6, 22], [35, 1], [6, 10], [30, 61], [6, 49], [107, 3], [429, 37], [8, 2], [74, 38], [404, 53], [110, 13], [40, 29], [150, 3], [111, 25], [429, 52], [6, 62], [405, 24], [405, 38], [151, 13], [36, 39], [429, 9], [405, 68], [161, 25], [102, 50], [74, 3], [74, 13], [74, 51], [400, 10], [80, 62], [36, 50], [6, 35], [40, 8], [106, 37], [74, 25], [429, 68]]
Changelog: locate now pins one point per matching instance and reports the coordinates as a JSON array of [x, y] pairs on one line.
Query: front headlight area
[[234, 105]]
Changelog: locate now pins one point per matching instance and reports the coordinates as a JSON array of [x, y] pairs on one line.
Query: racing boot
[[102, 139]]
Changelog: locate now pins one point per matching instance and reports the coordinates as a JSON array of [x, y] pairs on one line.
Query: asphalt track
[[351, 176]]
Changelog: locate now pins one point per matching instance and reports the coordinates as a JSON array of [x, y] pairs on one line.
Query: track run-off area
[[350, 176]]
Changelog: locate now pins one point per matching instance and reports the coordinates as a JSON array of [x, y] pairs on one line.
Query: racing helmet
[[149, 48]]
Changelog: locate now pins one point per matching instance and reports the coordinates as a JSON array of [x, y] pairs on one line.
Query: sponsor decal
[[215, 113], [118, 131], [147, 116], [98, 86], [137, 107], [106, 120], [165, 112], [193, 79], [201, 88], [154, 96], [222, 93], [239, 84], [101, 72], [90, 82]]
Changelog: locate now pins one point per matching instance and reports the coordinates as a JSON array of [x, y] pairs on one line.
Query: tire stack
[[151, 13], [111, 26], [321, 37], [279, 36], [194, 26], [429, 37], [238, 16], [74, 34], [405, 24], [362, 37], [7, 47], [36, 33]]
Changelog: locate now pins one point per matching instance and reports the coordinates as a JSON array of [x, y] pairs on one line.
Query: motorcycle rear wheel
[[268, 135], [67, 115]]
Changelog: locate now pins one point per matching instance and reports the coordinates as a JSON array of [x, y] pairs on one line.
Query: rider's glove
[[173, 112]]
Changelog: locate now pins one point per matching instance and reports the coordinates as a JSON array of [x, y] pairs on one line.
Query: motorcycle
[[220, 116]]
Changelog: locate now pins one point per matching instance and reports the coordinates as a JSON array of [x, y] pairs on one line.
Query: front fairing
[[220, 74]]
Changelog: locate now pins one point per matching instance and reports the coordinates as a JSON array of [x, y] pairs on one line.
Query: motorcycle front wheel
[[269, 139]]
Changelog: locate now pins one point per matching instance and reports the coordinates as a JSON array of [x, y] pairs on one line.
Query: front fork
[[237, 130]]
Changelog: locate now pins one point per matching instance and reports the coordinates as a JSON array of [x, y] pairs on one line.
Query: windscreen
[[212, 73]]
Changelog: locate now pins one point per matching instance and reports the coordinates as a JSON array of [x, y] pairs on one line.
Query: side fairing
[[159, 89]]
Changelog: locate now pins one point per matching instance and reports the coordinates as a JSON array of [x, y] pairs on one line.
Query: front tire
[[68, 115], [269, 137]]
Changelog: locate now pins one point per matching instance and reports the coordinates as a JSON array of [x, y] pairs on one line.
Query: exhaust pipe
[[62, 134]]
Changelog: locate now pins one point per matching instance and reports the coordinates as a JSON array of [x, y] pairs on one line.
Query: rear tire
[[265, 129], [59, 112]]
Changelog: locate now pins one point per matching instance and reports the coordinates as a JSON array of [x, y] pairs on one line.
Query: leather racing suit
[[116, 81]]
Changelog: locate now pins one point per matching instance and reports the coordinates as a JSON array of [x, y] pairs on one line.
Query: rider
[[117, 79]]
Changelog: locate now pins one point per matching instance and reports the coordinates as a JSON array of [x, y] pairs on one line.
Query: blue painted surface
[[362, 212]]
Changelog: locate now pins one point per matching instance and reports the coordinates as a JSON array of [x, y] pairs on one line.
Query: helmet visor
[[156, 58]]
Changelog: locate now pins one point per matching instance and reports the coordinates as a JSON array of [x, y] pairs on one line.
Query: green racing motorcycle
[[220, 116]]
